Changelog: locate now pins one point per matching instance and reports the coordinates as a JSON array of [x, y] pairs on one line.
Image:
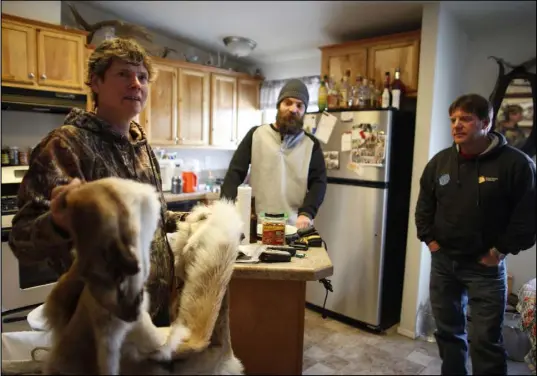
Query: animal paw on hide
[[176, 335]]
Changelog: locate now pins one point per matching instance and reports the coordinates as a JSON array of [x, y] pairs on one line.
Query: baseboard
[[407, 333]]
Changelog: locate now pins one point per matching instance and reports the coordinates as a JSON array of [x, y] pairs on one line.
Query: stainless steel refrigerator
[[364, 217]]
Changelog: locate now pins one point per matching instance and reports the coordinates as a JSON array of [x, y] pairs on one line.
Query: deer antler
[[166, 51], [123, 29]]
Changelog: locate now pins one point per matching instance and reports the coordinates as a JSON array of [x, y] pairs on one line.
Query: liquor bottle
[[344, 92], [398, 89], [253, 222], [356, 91], [373, 94], [323, 96], [366, 94], [386, 92], [332, 95]]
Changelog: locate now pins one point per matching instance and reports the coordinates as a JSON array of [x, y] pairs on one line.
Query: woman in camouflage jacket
[[91, 146]]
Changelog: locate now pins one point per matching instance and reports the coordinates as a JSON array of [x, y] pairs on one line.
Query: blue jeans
[[453, 284]]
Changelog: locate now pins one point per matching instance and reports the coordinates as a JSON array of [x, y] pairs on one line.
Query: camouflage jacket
[[86, 147]]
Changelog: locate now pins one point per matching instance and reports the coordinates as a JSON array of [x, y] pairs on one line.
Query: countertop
[[209, 196], [314, 266]]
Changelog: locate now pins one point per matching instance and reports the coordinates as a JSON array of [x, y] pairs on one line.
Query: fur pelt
[[205, 248], [97, 312]]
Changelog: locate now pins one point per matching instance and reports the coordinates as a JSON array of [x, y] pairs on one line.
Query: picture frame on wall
[[526, 102]]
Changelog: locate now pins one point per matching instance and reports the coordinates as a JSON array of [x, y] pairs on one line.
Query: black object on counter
[[275, 256], [177, 185]]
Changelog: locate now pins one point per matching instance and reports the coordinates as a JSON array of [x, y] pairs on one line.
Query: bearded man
[[288, 173]]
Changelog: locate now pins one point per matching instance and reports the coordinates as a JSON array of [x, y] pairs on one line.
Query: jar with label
[[14, 156], [23, 158], [5, 156], [273, 228]]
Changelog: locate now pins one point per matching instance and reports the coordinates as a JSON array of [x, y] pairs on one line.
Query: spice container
[[14, 155], [23, 158], [273, 228], [177, 185], [5, 156]]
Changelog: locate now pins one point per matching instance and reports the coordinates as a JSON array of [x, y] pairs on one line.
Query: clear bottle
[[356, 91], [332, 95], [372, 94], [366, 95]]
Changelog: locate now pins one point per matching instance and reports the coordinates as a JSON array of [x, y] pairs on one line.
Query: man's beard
[[290, 124]]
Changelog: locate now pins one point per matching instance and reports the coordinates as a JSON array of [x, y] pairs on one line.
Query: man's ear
[[95, 83]]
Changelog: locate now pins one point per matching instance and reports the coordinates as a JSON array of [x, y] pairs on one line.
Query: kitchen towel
[[244, 206]]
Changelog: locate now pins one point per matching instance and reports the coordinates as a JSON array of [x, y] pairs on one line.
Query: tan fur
[[97, 312], [205, 253]]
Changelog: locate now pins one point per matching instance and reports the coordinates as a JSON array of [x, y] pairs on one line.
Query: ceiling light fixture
[[239, 46]]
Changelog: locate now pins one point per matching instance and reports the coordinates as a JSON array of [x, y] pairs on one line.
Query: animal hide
[[98, 311], [205, 249]]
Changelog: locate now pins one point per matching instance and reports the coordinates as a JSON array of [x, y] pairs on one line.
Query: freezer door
[[383, 121], [351, 221]]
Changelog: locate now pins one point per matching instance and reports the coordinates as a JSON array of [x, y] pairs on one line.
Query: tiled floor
[[334, 348]]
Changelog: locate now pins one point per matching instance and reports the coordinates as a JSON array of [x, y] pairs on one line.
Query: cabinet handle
[[31, 75], [43, 77]]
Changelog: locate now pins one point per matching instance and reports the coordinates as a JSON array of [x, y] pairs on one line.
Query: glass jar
[[273, 228]]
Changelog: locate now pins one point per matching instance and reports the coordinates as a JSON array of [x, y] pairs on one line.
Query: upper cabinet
[[194, 101], [41, 56], [248, 113], [223, 110], [374, 56], [189, 105]]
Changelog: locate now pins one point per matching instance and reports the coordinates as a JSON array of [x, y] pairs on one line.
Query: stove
[[23, 286]]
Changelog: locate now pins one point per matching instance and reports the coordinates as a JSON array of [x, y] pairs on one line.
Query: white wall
[[442, 58], [515, 45], [45, 11], [308, 66]]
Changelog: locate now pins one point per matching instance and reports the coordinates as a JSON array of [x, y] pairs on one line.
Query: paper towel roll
[[244, 206]]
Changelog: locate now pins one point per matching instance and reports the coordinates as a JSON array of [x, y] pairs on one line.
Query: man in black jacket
[[476, 205], [288, 173]]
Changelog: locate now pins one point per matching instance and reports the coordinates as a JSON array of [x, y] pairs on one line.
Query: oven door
[[23, 286]]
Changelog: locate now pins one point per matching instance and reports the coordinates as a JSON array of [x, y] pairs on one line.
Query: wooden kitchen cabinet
[[223, 110], [194, 102], [374, 56], [42, 56], [159, 117], [248, 107]]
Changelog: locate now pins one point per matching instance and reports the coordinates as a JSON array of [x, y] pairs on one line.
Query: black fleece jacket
[[471, 205]]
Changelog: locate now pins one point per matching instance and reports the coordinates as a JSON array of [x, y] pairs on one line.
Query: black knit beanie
[[294, 89]]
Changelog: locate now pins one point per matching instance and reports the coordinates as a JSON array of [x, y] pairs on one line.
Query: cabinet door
[[60, 59], [160, 115], [87, 89], [193, 107], [248, 113], [337, 63], [18, 54], [223, 110], [387, 57]]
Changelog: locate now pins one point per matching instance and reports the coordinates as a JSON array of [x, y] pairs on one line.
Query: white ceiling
[[286, 30]]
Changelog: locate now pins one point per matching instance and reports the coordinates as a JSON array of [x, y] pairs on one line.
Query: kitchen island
[[267, 309]]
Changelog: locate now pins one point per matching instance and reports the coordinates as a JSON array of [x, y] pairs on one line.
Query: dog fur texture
[[98, 311]]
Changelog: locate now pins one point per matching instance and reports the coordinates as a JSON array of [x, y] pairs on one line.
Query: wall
[[515, 45], [443, 50], [26, 129], [307, 66], [46, 11]]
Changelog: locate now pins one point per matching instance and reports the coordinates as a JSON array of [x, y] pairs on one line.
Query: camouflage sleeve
[[34, 237]]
